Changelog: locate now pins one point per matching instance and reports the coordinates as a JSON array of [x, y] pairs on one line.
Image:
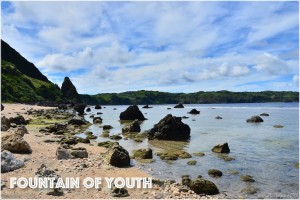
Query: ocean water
[[266, 153]]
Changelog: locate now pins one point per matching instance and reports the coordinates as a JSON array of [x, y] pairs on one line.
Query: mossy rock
[[173, 155], [278, 126], [83, 140], [199, 154], [70, 141], [192, 162], [225, 157], [249, 189], [232, 172], [167, 156], [215, 173], [202, 186], [247, 178], [91, 137], [143, 153], [107, 127], [115, 137], [105, 134], [105, 144], [88, 133]]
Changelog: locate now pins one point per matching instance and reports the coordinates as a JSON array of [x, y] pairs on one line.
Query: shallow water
[[268, 154]]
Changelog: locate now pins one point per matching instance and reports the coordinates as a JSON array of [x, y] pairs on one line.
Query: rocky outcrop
[[9, 162], [118, 156], [15, 142], [194, 112], [5, 124], [79, 108], [170, 128], [69, 90], [133, 127], [132, 113], [19, 120], [143, 153], [180, 105], [255, 119], [221, 148]]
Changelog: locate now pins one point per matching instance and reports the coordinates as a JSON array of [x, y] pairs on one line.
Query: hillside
[[154, 97]]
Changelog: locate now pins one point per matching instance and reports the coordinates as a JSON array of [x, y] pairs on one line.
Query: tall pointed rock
[[69, 91]]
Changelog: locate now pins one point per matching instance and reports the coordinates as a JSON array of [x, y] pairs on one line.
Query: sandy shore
[[44, 153]]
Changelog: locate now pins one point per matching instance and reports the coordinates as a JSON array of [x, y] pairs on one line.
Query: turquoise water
[[268, 154]]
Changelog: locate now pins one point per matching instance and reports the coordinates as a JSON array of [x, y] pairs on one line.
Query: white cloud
[[271, 64]]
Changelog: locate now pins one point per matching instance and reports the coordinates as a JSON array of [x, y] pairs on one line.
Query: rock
[[62, 153], [202, 186], [79, 108], [13, 125], [105, 134], [180, 105], [133, 127], [88, 110], [118, 156], [88, 133], [62, 106], [184, 117], [249, 189], [83, 140], [99, 113], [119, 192], [21, 131], [215, 173], [69, 91], [2, 107], [278, 126], [92, 116], [19, 120], [170, 128], [225, 157], [173, 155], [247, 178], [3, 183], [9, 162], [192, 162], [194, 112], [221, 148], [77, 122], [264, 114], [57, 127], [5, 124], [255, 119], [15, 143], [169, 108], [199, 154], [147, 106], [69, 140], [79, 152], [132, 113], [97, 107], [143, 153], [115, 137], [97, 120], [91, 137], [218, 117], [186, 180], [106, 144], [107, 127]]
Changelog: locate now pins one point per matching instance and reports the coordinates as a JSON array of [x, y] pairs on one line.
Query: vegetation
[[69, 91]]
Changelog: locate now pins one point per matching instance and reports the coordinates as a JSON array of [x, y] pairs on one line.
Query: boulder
[[202, 186], [132, 113], [21, 131], [194, 112], [118, 156], [215, 173], [180, 105], [143, 153], [77, 122], [170, 128], [2, 107], [88, 110], [5, 124], [19, 120], [15, 143], [62, 153], [133, 127], [255, 119], [79, 108], [221, 148], [9, 162], [97, 120], [91, 137], [107, 127], [97, 107]]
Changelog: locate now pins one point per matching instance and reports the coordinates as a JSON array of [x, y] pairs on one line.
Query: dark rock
[[255, 119], [77, 122], [9, 162], [79, 152], [80, 108], [115, 137], [143, 153], [118, 156], [169, 108], [97, 107], [69, 90], [133, 127], [2, 107], [69, 140], [221, 148], [99, 113], [88, 110], [215, 173], [91, 137], [107, 127], [57, 127], [180, 105], [19, 120], [83, 140], [5, 124], [194, 112], [202, 186], [192, 162], [119, 192], [170, 128], [218, 117], [97, 120], [147, 106], [62, 153], [88, 133], [186, 180], [264, 114], [132, 113], [184, 117], [63, 106]]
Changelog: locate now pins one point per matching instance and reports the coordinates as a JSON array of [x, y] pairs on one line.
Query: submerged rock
[[5, 124], [264, 114], [173, 155], [170, 128], [221, 148], [88, 110], [118, 156], [247, 178], [255, 119], [132, 113], [143, 153], [180, 105], [9, 162], [194, 112], [115, 137], [192, 162], [97, 120], [133, 127], [199, 154], [215, 173], [218, 117], [249, 189]]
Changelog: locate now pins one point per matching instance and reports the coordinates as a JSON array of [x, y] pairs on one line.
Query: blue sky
[[165, 46]]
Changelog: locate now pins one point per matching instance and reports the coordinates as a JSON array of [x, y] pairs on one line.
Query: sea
[[270, 155]]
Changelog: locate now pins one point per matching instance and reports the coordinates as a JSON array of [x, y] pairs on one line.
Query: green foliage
[[18, 87]]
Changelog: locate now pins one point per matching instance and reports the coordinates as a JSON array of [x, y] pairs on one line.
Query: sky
[[165, 46]]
